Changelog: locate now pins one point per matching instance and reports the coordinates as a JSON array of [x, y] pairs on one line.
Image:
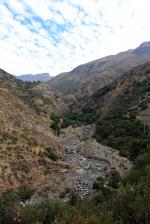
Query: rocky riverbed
[[85, 160], [92, 158]]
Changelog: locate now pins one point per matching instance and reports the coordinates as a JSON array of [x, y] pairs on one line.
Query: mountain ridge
[[42, 77], [89, 178], [85, 79], [121, 111]]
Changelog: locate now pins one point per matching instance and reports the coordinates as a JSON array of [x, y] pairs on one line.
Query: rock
[[89, 160], [94, 159]]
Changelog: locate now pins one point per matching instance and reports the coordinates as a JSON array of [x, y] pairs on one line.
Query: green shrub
[[9, 202], [56, 123], [74, 198], [65, 192], [114, 179], [97, 185], [25, 193], [50, 153]]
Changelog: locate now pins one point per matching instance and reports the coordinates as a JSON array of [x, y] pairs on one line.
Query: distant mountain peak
[[145, 44], [43, 77]]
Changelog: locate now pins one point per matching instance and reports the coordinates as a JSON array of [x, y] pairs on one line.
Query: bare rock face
[[84, 161]]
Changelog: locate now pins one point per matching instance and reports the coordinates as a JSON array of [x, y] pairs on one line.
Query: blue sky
[[57, 35]]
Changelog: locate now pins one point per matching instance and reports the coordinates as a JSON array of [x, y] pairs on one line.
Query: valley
[[79, 154]]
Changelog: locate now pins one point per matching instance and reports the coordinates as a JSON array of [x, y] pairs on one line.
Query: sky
[[55, 36]]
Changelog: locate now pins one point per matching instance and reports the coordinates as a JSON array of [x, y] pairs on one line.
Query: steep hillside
[[29, 151], [115, 199], [85, 79], [38, 95], [118, 108]]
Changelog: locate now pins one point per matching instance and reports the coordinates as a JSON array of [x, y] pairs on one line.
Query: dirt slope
[[25, 136]]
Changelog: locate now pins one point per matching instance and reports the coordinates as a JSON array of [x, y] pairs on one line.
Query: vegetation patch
[[56, 123], [50, 153], [65, 192], [128, 203], [127, 134], [25, 193]]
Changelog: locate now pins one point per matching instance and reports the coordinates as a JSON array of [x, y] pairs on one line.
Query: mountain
[[29, 150], [43, 77], [85, 79], [94, 191], [121, 111]]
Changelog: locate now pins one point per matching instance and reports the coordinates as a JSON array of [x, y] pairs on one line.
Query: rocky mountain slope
[[29, 151], [32, 156], [43, 77], [130, 93], [117, 109], [104, 138], [85, 79]]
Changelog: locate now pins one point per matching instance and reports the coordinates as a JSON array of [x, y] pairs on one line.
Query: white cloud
[[67, 11], [55, 36], [58, 18], [39, 8], [15, 6]]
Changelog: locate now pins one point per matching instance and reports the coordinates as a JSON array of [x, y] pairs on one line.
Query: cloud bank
[[56, 35]]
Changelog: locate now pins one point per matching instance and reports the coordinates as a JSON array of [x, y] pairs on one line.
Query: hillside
[[29, 150], [95, 183], [97, 173], [85, 79], [117, 109]]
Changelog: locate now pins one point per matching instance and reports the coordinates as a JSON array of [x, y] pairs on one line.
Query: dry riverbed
[[85, 160]]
